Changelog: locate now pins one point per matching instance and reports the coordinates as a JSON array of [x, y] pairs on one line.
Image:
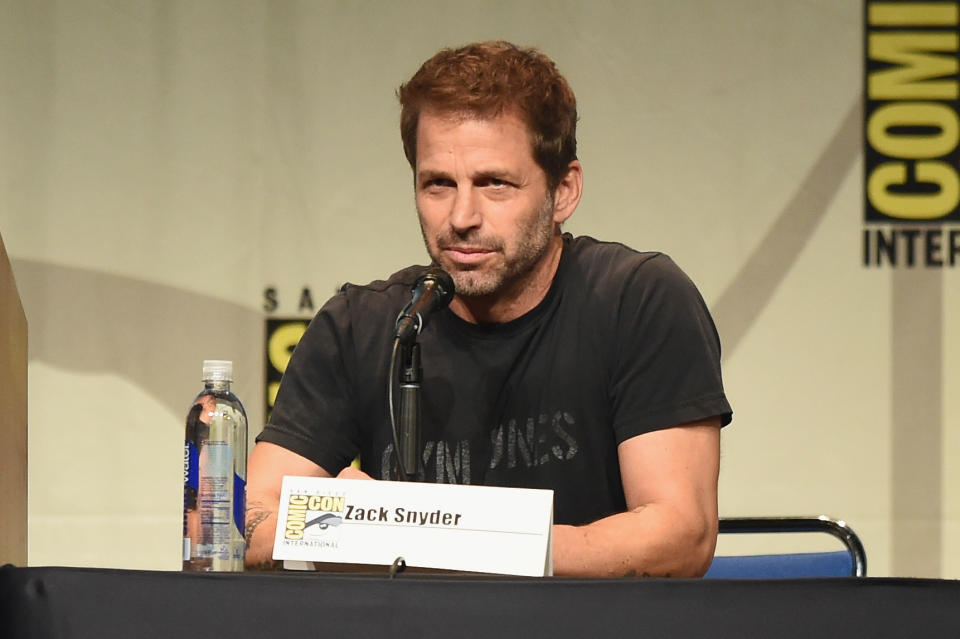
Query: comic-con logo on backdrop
[[911, 134], [282, 334]]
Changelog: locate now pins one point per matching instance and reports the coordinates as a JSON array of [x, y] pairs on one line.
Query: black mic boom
[[431, 292]]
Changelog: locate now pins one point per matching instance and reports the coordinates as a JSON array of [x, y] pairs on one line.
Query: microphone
[[431, 292]]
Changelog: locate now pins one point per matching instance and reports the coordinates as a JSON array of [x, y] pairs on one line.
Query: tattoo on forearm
[[256, 515]]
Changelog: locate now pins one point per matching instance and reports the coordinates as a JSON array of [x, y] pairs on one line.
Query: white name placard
[[465, 528]]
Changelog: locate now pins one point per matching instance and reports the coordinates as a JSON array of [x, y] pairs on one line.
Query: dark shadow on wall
[[153, 335]]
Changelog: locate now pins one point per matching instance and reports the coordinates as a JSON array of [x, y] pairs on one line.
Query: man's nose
[[465, 214]]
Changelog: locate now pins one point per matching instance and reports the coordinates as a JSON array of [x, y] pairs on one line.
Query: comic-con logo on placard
[[911, 134], [314, 520]]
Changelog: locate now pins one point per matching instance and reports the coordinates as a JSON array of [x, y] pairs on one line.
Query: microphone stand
[[432, 291], [411, 375]]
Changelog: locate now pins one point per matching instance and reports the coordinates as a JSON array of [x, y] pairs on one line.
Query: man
[[561, 363]]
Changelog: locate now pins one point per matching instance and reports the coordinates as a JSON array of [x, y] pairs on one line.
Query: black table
[[76, 602]]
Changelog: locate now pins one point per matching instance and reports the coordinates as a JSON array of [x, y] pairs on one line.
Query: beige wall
[[165, 161]]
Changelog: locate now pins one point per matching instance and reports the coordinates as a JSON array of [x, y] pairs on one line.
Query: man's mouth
[[462, 254]]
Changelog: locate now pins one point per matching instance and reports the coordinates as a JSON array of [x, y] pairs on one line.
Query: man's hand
[[670, 528], [352, 473]]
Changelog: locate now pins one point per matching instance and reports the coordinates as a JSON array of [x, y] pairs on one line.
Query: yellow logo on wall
[[911, 133], [282, 336]]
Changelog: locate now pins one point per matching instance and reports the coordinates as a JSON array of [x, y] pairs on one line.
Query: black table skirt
[[76, 602]]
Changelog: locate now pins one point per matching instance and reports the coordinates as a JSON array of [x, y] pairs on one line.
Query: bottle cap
[[217, 370]]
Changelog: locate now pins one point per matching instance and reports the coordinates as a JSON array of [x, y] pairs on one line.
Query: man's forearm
[[267, 466], [650, 541]]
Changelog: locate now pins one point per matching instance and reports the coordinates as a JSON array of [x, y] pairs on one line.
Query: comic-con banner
[[282, 335], [288, 313], [911, 134]]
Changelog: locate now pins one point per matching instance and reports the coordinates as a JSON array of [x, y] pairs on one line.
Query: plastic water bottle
[[215, 475]]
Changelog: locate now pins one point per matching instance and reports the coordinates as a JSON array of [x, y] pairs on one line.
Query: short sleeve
[[313, 413], [667, 369]]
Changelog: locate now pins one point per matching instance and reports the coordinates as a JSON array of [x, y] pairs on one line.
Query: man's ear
[[566, 196]]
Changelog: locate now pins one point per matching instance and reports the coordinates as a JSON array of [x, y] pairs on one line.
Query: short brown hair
[[487, 79]]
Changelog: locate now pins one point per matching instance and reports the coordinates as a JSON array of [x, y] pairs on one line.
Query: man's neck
[[516, 298]]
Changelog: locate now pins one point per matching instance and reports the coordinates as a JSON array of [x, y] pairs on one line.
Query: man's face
[[485, 211]]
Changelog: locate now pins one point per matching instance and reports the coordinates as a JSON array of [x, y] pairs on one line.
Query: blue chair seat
[[785, 566]]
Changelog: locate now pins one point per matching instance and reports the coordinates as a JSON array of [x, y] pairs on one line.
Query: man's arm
[[265, 470], [670, 527]]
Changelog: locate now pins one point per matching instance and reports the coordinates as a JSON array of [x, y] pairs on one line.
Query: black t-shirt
[[621, 345]]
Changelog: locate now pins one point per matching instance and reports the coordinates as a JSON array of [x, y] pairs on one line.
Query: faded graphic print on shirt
[[534, 442]]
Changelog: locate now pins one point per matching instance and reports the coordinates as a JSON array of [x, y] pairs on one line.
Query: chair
[[851, 562]]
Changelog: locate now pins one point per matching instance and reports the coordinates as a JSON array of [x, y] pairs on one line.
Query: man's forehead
[[459, 117], [495, 157]]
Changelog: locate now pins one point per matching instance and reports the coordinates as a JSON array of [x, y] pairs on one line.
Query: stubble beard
[[490, 279]]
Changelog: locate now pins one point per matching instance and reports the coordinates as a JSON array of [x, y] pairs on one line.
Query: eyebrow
[[428, 175], [498, 174]]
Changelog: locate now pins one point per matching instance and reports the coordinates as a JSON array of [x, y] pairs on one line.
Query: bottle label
[[216, 503], [239, 502], [191, 461]]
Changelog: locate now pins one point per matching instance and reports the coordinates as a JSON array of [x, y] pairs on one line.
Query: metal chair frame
[[834, 527]]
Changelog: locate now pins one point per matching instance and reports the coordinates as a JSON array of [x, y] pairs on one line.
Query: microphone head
[[432, 292], [443, 285]]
